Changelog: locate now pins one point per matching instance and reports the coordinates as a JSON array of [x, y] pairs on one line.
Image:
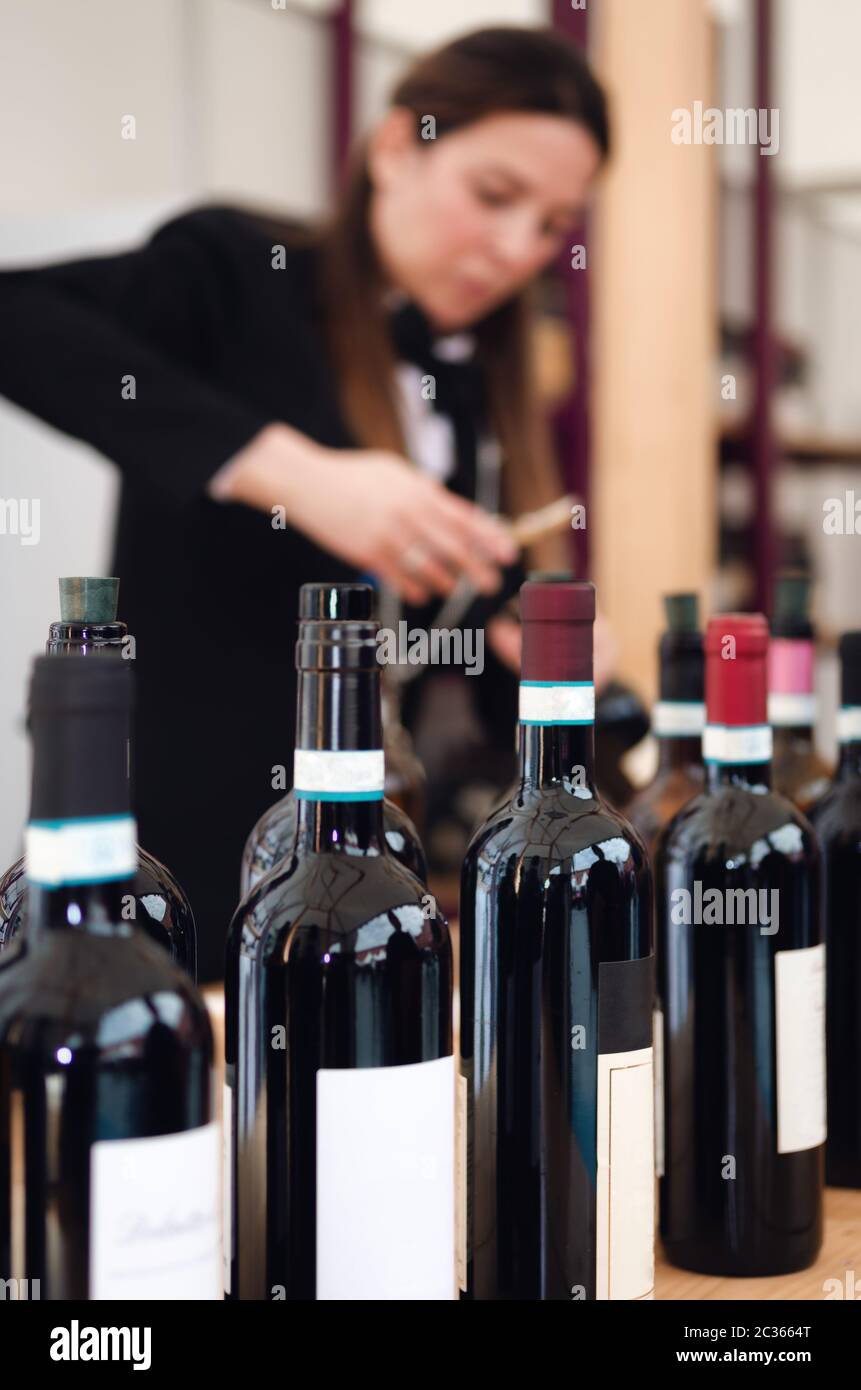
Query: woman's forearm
[[269, 470]]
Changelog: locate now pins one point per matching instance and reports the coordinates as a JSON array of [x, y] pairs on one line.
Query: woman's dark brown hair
[[483, 74]]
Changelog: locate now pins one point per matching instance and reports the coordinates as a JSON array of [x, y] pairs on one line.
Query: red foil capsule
[[557, 620], [736, 647]]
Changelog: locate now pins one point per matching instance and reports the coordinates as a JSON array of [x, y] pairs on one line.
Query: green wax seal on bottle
[[89, 599], [682, 612]]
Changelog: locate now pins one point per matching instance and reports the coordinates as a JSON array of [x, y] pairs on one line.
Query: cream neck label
[[323, 774], [791, 710], [557, 702], [86, 849], [678, 719], [849, 724], [728, 743]]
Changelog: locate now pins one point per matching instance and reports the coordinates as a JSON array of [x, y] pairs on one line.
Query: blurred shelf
[[812, 448]]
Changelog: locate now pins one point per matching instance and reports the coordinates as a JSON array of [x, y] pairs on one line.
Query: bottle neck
[[338, 768], [675, 754], [849, 761], [557, 734], [849, 735], [738, 774], [556, 755], [80, 841], [83, 638], [678, 728], [738, 742], [791, 698], [98, 909], [795, 737]]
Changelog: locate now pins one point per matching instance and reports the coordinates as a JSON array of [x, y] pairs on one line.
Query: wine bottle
[[837, 821], [108, 1148], [273, 837], [741, 971], [677, 722], [340, 1075], [88, 626], [555, 1092], [798, 770]]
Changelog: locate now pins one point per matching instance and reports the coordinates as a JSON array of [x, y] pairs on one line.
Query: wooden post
[[572, 423], [342, 83], [764, 348], [654, 321]]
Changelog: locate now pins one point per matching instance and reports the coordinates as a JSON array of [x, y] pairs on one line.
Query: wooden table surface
[[839, 1259]]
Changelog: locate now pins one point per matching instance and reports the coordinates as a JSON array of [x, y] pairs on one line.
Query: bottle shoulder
[[161, 908], [557, 824], [333, 895], [110, 988], [156, 887], [272, 838], [836, 816], [737, 821], [282, 814], [667, 784], [657, 803]]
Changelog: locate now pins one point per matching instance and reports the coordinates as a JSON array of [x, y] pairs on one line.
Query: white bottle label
[[725, 743], [385, 1182], [339, 774], [799, 983], [154, 1217], [226, 1183], [658, 1043], [789, 709], [625, 1263], [556, 702], [85, 849], [849, 724], [678, 719]]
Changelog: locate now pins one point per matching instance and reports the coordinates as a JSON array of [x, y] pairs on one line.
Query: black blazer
[[219, 344]]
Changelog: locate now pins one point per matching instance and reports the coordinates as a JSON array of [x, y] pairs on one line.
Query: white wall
[[264, 131], [413, 24], [68, 74], [229, 99], [816, 61]]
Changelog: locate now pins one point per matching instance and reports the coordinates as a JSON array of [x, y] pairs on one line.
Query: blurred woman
[[290, 404]]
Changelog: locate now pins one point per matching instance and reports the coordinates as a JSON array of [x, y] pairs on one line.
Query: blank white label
[[678, 719], [799, 982], [724, 743], [385, 1182], [154, 1217], [625, 1263], [341, 772], [545, 702], [85, 849], [226, 1183]]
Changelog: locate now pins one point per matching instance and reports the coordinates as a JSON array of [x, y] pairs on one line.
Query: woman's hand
[[504, 634], [370, 508]]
